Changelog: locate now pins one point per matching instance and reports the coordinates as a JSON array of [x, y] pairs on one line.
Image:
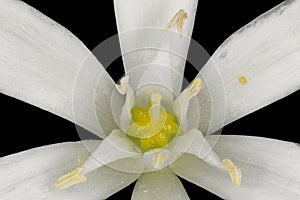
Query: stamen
[[155, 108], [156, 158], [125, 88], [114, 147], [70, 179], [159, 159], [181, 104], [234, 172], [193, 90], [178, 20], [202, 149], [122, 88]]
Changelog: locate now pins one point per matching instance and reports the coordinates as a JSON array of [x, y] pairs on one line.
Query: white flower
[[40, 63]]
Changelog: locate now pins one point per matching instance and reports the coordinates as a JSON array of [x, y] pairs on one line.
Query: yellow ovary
[[151, 134]]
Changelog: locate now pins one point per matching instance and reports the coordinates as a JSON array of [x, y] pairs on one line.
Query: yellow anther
[[70, 179], [193, 90], [243, 80], [159, 159], [234, 172], [178, 20], [122, 88]]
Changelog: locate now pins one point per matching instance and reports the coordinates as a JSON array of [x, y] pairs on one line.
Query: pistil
[[152, 127], [156, 104]]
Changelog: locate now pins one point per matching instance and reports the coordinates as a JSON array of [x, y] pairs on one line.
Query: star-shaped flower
[[151, 130]]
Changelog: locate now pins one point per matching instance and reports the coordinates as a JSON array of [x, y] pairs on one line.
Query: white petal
[[39, 62], [159, 185], [147, 43], [270, 169], [31, 174], [259, 64]]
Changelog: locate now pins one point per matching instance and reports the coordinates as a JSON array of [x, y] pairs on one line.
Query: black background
[[24, 126]]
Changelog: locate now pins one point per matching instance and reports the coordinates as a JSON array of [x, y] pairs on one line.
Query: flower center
[[152, 127]]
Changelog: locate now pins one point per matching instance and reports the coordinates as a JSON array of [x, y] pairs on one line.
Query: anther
[[178, 20], [70, 179], [234, 172], [193, 90], [122, 88], [159, 159]]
